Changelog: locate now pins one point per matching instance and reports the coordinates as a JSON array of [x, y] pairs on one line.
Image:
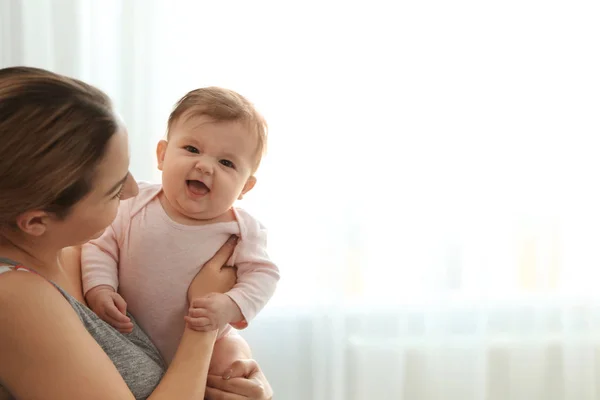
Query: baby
[[162, 237]]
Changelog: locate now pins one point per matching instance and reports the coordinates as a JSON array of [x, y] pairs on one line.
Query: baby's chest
[[163, 261]]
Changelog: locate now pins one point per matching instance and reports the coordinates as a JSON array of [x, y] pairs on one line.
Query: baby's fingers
[[199, 312], [113, 313], [120, 303], [123, 327], [203, 302], [202, 324]]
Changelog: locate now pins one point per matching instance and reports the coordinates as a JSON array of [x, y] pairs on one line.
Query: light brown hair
[[54, 131], [222, 105]]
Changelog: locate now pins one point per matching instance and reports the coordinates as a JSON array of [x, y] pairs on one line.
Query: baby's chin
[[203, 215], [208, 216]]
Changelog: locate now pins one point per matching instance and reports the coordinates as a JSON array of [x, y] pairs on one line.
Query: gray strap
[[8, 261]]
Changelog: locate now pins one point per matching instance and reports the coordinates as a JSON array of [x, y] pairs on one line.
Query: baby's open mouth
[[197, 187]]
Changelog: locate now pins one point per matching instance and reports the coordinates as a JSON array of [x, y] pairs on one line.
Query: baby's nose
[[204, 166]]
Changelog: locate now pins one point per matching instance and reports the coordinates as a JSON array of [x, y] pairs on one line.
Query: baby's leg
[[228, 349]]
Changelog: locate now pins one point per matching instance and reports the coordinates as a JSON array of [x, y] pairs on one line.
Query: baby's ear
[[161, 149], [248, 186]]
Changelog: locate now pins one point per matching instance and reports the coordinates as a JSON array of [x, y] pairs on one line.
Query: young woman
[[63, 170]]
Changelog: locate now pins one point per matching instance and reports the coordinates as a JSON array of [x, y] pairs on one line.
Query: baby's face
[[206, 165]]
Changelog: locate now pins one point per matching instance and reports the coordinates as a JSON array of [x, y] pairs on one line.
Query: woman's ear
[[161, 149], [33, 223], [248, 186]]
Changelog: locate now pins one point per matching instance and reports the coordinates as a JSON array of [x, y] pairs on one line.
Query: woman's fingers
[[248, 388], [216, 394], [212, 277], [241, 368], [223, 254], [243, 379]]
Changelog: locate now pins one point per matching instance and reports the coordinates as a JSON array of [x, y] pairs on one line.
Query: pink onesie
[[151, 260]]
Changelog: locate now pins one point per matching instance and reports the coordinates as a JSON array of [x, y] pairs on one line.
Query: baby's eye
[[227, 163], [191, 149]]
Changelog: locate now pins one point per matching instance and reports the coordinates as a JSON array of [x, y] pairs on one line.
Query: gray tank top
[[136, 358]]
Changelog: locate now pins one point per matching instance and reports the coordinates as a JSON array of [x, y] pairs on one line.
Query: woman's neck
[[61, 266], [45, 261]]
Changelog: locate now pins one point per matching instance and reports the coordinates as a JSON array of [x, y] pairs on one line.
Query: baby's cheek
[[108, 215]]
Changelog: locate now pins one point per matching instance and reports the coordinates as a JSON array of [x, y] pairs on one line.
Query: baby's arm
[[257, 279], [99, 267]]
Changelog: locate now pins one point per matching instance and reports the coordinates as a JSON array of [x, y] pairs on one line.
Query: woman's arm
[[47, 353], [183, 379]]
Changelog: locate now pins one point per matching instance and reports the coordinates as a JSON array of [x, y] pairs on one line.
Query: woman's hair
[[54, 131]]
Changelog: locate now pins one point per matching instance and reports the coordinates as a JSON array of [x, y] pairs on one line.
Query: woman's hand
[[244, 381], [215, 276]]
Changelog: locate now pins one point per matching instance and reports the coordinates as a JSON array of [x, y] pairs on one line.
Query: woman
[[63, 170]]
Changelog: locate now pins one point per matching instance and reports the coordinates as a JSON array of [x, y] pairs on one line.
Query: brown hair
[[222, 105], [54, 131]]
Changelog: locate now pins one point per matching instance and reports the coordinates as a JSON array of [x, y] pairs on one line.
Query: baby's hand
[[110, 306], [212, 312]]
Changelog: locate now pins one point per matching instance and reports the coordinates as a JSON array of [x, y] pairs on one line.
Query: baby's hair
[[222, 105]]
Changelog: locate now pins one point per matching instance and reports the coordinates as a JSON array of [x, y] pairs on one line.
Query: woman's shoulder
[[42, 317], [26, 294], [16, 282], [41, 337], [29, 303]]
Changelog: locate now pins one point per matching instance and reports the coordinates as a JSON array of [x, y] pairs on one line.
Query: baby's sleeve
[[100, 257], [257, 274]]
